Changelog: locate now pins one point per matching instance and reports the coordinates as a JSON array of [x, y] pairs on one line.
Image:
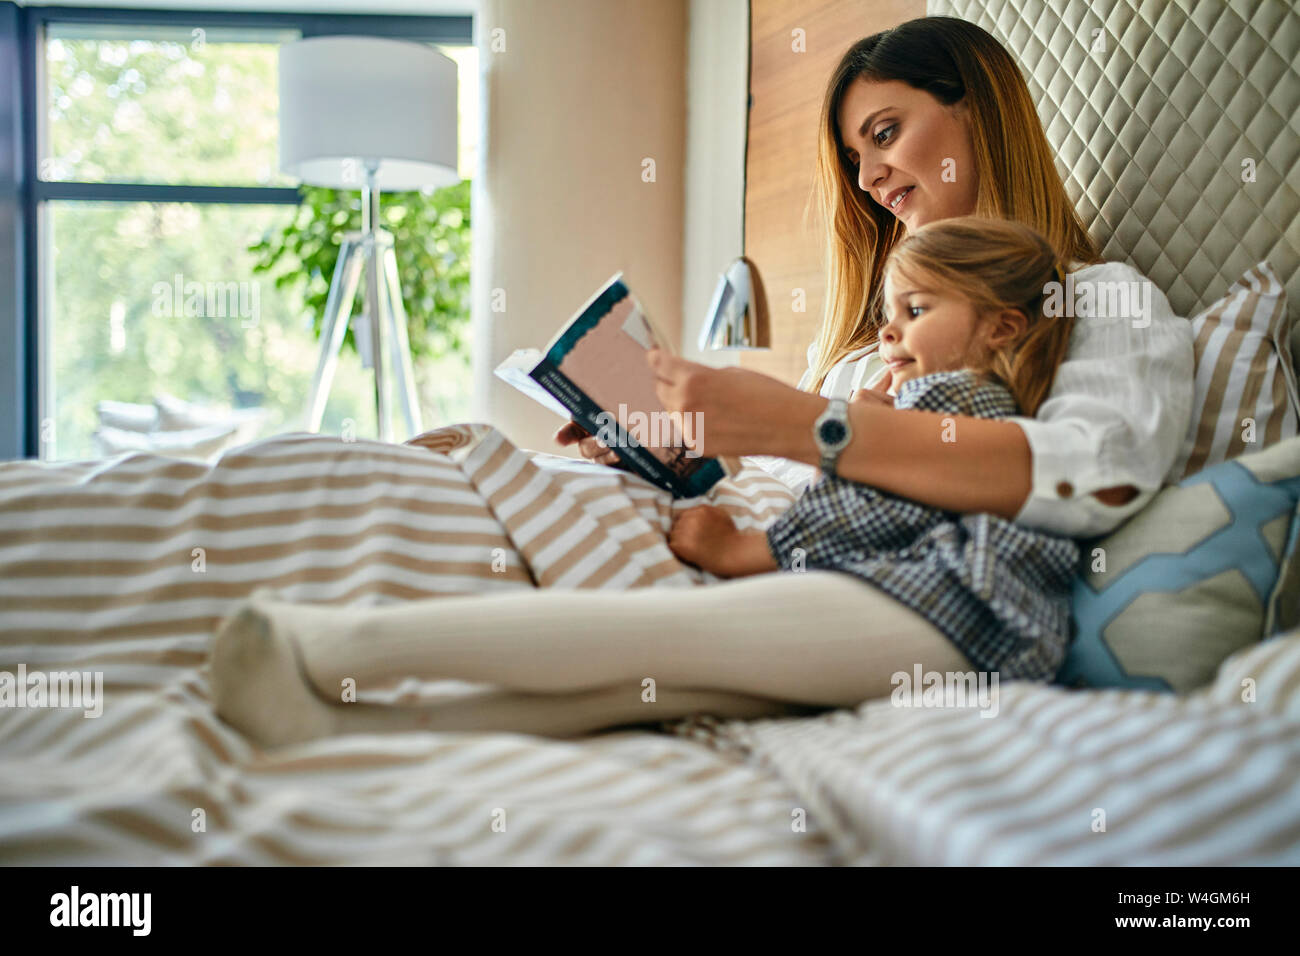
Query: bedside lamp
[[737, 317]]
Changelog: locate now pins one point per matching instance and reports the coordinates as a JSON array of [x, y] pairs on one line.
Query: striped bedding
[[124, 568], [1057, 777]]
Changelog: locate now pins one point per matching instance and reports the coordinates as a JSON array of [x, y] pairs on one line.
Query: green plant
[[431, 232]]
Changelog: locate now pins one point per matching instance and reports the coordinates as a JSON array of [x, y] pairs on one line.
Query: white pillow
[[187, 443], [127, 416], [174, 414]]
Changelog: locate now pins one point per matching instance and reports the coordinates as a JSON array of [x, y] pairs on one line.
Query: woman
[[924, 122]]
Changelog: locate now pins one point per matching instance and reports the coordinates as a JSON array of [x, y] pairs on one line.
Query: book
[[594, 372]]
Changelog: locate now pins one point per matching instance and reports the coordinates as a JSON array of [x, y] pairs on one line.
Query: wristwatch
[[832, 433]]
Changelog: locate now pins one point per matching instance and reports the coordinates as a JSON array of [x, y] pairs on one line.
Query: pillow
[[126, 416], [177, 415], [187, 443], [1246, 397], [1205, 569]]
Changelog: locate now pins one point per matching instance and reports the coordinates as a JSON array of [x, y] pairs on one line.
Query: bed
[[123, 568]]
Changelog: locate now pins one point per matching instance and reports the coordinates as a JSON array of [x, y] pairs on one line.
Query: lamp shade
[[346, 102], [737, 317]]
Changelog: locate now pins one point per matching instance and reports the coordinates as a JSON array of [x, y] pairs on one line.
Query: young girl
[[966, 334]]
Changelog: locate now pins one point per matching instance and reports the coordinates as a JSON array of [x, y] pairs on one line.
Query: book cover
[[594, 371]]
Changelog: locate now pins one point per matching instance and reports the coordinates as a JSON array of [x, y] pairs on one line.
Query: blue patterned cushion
[[1207, 568]]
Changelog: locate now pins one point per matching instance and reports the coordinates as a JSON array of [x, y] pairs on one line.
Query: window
[[155, 174]]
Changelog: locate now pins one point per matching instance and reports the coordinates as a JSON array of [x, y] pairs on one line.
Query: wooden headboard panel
[[786, 88]]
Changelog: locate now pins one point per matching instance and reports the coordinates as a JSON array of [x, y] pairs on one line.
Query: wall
[[581, 94], [717, 91]]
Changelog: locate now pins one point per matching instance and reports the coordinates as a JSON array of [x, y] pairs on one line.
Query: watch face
[[833, 432]]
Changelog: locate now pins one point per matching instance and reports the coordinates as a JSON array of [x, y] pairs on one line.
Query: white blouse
[[1117, 413]]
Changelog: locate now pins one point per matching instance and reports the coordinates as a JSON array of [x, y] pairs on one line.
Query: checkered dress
[[1000, 592]]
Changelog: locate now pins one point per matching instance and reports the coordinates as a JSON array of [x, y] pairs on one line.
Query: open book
[[594, 371]]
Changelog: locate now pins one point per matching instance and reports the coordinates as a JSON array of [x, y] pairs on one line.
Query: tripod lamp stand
[[370, 114]]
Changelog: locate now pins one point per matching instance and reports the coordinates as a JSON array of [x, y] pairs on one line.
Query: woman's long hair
[[996, 264], [955, 62]]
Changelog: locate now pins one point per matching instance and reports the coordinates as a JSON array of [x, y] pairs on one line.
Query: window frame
[[23, 193]]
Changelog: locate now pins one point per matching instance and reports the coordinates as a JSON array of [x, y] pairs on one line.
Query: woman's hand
[[734, 411], [706, 537], [589, 446]]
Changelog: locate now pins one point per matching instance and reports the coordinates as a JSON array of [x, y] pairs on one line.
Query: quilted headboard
[[1158, 111]]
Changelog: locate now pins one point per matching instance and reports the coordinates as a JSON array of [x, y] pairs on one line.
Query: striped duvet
[[124, 568]]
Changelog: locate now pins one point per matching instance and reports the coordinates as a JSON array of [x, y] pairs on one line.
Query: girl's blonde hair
[[995, 264], [955, 62]]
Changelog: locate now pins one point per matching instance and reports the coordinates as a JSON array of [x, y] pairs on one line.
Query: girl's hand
[[706, 537], [877, 394], [702, 536], [733, 411], [589, 446]]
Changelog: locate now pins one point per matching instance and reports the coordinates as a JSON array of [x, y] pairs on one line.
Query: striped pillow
[[1246, 397]]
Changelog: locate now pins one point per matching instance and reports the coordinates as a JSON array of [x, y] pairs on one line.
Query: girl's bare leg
[[817, 638]]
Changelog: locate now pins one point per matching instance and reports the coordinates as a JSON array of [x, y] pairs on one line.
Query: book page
[[609, 364]]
